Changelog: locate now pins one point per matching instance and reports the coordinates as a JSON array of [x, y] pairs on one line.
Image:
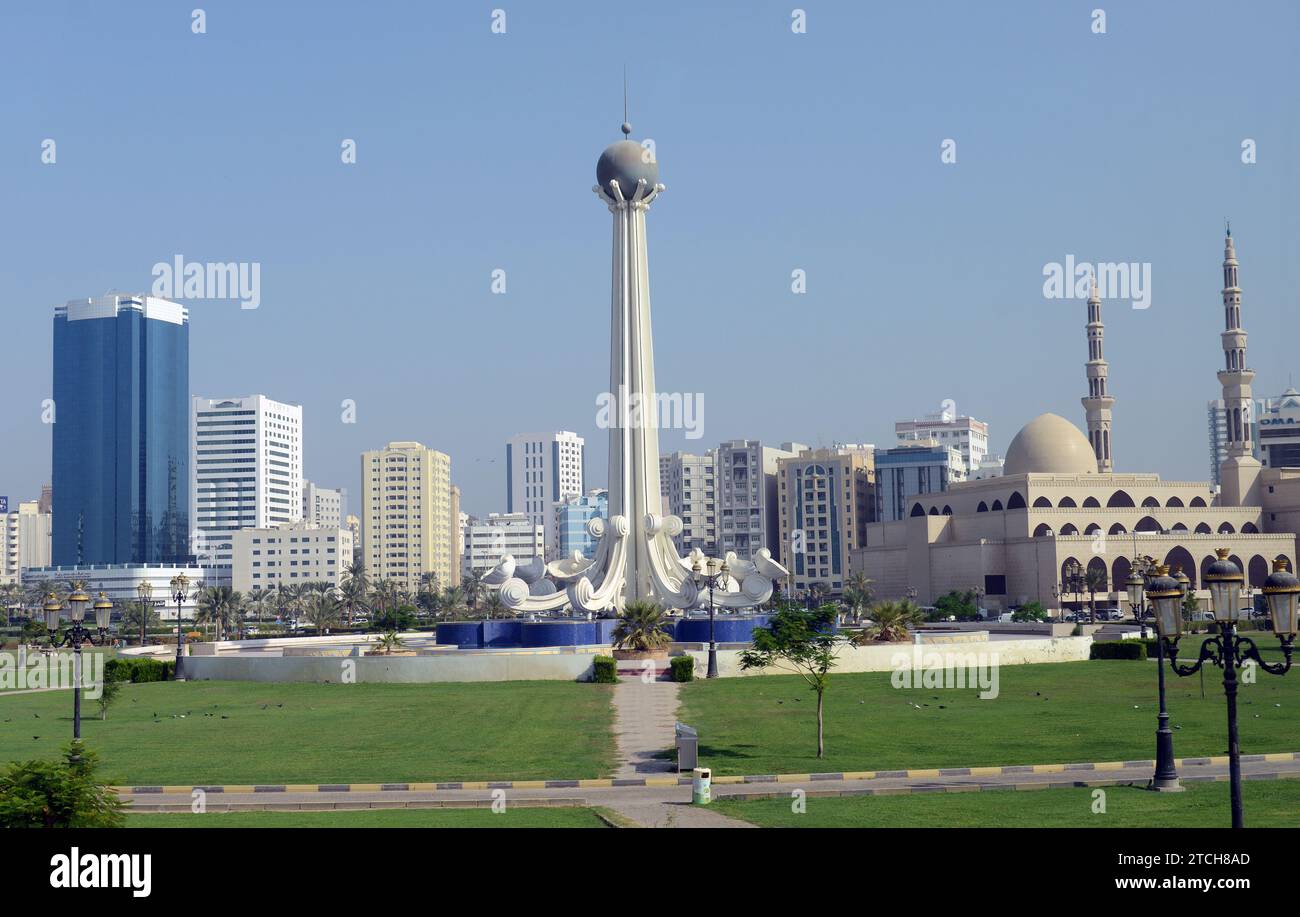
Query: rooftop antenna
[[1226, 221], [627, 128]]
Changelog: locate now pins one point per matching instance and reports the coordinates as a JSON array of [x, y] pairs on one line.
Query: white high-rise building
[[689, 482], [543, 469], [24, 539], [487, 541], [246, 470], [968, 436], [290, 555], [408, 514], [322, 507]]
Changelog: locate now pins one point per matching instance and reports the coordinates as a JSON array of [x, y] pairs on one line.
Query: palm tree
[[353, 593], [321, 609], [891, 622], [11, 596], [214, 607], [139, 616], [495, 606], [857, 594], [453, 602], [473, 588], [642, 626]]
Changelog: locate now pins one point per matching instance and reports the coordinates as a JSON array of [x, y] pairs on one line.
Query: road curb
[[678, 780]]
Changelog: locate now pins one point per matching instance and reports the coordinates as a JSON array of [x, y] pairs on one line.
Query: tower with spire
[[1098, 402], [1240, 471]]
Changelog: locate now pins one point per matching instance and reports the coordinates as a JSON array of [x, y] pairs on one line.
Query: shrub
[[605, 670], [139, 671], [1118, 649], [683, 668], [57, 794]]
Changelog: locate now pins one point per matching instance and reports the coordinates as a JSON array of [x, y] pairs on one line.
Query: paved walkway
[[644, 715]]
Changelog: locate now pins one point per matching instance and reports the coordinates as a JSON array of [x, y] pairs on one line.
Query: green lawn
[[520, 817], [1267, 804], [247, 732], [1044, 714]]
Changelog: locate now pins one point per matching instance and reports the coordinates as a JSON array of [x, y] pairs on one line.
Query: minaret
[[1099, 402], [1240, 471]]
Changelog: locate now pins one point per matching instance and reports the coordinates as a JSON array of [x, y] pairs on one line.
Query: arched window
[[1043, 531], [1119, 571], [1147, 524], [1203, 529], [1249, 529], [947, 510], [1178, 527], [1173, 501], [1091, 502], [1227, 529], [934, 511], [1119, 498], [1015, 501], [982, 508], [1181, 558], [1098, 576], [1042, 503], [1205, 564], [1118, 529], [1257, 572], [1150, 501], [917, 510], [1092, 529], [1196, 501], [1067, 502], [1069, 529], [997, 506]]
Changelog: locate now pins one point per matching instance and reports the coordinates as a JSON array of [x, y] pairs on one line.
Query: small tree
[[642, 627], [959, 604], [1030, 611], [109, 689], [803, 640], [57, 794], [1095, 580]]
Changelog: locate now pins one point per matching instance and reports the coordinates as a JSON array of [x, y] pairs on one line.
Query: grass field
[[247, 732], [1044, 714], [1267, 804], [377, 818]]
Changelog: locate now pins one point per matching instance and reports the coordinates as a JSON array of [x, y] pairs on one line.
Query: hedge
[[605, 670], [1118, 649], [683, 668], [139, 671]]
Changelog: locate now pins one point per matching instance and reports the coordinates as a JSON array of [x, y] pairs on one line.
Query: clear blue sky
[[780, 151]]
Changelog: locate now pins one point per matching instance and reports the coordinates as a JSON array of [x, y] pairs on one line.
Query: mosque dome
[[1050, 444], [625, 162]]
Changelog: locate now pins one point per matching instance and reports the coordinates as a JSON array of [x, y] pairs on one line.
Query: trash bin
[[688, 747], [701, 783]]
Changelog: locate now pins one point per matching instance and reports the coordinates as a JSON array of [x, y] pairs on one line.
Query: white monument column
[[1097, 406], [1240, 471], [635, 557]]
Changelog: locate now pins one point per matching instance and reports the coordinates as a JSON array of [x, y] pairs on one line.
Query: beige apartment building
[[825, 498], [289, 555], [408, 526]]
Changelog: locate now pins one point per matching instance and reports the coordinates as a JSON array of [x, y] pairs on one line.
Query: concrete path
[[644, 715]]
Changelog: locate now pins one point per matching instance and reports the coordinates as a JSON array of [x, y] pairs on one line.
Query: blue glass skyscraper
[[121, 431]]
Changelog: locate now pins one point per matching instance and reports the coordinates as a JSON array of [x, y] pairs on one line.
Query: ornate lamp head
[[1282, 590], [103, 612], [1135, 586], [77, 603], [1166, 596], [52, 609], [1224, 579]]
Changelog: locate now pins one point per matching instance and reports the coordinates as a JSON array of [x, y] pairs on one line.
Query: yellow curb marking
[[986, 772], [793, 778], [1049, 768], [929, 772]]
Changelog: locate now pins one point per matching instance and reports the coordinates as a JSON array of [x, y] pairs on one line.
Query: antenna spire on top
[[627, 128], [1226, 222]]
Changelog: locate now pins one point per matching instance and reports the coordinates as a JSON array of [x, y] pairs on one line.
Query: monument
[[635, 557]]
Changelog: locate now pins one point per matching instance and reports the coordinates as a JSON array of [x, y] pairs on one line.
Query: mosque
[[1060, 503]]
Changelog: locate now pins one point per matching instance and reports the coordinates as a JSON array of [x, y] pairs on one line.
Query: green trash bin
[[701, 786]]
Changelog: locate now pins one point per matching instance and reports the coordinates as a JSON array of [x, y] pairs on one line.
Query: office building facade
[[121, 442], [406, 513]]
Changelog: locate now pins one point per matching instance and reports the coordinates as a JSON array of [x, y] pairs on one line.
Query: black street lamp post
[[1143, 574], [76, 636], [715, 577], [1227, 649], [180, 589]]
